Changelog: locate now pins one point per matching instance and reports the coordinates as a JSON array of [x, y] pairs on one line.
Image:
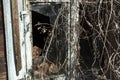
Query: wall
[[2, 47]]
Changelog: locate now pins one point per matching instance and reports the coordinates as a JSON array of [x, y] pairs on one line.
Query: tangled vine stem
[[99, 24], [106, 34]]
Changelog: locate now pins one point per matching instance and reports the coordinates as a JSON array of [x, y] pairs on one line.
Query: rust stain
[[16, 34]]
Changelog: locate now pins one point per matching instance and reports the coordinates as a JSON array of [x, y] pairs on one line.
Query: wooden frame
[[26, 37], [49, 0], [9, 40]]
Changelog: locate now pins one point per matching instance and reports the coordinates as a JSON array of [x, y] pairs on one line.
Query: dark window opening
[[86, 50], [44, 16], [40, 29]]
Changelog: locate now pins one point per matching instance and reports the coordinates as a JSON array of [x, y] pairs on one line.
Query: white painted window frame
[[26, 36], [25, 39], [9, 40]]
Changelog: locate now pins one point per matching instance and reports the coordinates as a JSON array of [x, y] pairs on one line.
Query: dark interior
[[39, 37]]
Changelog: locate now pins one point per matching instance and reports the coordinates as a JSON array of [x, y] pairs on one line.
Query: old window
[[49, 27], [62, 39]]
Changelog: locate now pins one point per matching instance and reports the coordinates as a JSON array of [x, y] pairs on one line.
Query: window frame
[[26, 36]]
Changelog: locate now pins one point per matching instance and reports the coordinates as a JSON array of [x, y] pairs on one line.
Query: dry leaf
[[53, 68], [36, 52], [43, 69]]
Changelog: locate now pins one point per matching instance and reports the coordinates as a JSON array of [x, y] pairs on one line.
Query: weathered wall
[[2, 49]]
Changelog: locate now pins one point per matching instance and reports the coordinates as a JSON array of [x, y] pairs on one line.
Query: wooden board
[[16, 34]]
